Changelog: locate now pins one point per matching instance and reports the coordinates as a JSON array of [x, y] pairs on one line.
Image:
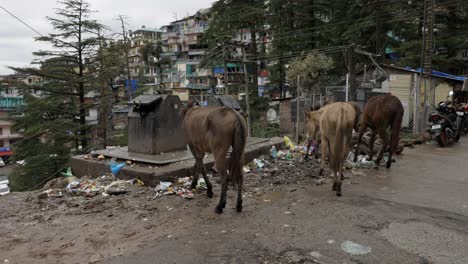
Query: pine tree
[[55, 123]]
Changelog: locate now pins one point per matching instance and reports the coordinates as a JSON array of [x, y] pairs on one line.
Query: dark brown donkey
[[380, 113], [214, 130]]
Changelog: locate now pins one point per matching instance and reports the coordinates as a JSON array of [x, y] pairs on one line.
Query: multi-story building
[[10, 94], [7, 135], [181, 45], [11, 99], [139, 39]]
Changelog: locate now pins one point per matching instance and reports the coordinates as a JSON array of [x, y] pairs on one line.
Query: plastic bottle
[[273, 152]]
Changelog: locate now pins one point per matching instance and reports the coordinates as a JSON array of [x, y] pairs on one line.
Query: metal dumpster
[[155, 124]]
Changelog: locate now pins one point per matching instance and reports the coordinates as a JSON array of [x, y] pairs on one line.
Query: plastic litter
[[101, 157], [246, 169], [68, 173], [288, 143], [116, 167], [259, 163], [185, 181], [273, 152], [355, 249], [163, 186], [280, 154], [137, 181], [117, 187], [201, 184]]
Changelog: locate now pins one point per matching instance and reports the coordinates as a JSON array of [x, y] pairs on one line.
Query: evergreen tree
[[55, 123]]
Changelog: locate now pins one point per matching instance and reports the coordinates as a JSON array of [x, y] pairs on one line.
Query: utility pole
[[298, 105], [426, 58], [352, 73], [127, 61], [247, 102], [226, 91]]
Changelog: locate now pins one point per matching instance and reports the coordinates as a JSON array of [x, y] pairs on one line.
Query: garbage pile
[[181, 188], [105, 185]]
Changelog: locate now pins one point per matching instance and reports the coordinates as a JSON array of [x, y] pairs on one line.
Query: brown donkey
[[313, 125], [380, 113], [313, 130], [214, 130], [336, 129]]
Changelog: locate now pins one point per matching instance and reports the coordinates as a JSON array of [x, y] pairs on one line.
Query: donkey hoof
[[209, 193], [239, 208], [338, 194], [218, 210], [389, 165]]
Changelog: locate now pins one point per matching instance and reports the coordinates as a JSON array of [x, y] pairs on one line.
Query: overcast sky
[[17, 43]]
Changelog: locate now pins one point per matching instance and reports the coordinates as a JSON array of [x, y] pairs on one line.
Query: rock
[[95, 258], [358, 172], [42, 195], [320, 181]]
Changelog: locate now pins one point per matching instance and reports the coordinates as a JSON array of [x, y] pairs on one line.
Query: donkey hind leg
[[339, 179], [239, 192], [209, 187], [324, 154], [383, 135], [334, 176], [221, 163], [317, 146], [195, 174], [371, 144]]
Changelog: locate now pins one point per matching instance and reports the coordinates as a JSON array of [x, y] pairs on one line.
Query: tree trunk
[[81, 90]]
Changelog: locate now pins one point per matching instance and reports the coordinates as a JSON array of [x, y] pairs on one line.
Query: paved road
[[416, 212]]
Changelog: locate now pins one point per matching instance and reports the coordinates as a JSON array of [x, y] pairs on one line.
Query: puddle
[[355, 249], [273, 196]]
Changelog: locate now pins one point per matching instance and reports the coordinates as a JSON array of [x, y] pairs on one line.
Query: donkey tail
[[238, 146], [337, 155]]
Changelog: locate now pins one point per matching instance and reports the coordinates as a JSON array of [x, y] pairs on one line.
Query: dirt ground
[[73, 229], [415, 212]]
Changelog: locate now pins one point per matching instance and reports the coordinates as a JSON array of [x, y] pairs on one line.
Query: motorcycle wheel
[[442, 139]]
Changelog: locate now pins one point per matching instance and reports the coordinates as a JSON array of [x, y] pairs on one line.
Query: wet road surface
[[416, 212]]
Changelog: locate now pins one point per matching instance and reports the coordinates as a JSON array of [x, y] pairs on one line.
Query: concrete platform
[[161, 159], [152, 174]]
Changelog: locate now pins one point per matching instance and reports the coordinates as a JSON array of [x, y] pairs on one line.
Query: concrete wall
[[400, 86], [286, 125]]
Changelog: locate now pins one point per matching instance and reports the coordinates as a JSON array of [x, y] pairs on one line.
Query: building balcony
[[195, 30], [196, 52], [198, 74], [136, 64], [174, 79], [10, 136], [198, 86]]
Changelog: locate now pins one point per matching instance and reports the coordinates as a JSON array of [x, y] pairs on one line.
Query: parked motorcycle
[[446, 123], [463, 108]]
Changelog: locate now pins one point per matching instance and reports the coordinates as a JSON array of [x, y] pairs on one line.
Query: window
[[464, 53]]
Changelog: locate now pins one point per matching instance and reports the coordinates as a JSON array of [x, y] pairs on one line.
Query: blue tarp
[[441, 74]]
